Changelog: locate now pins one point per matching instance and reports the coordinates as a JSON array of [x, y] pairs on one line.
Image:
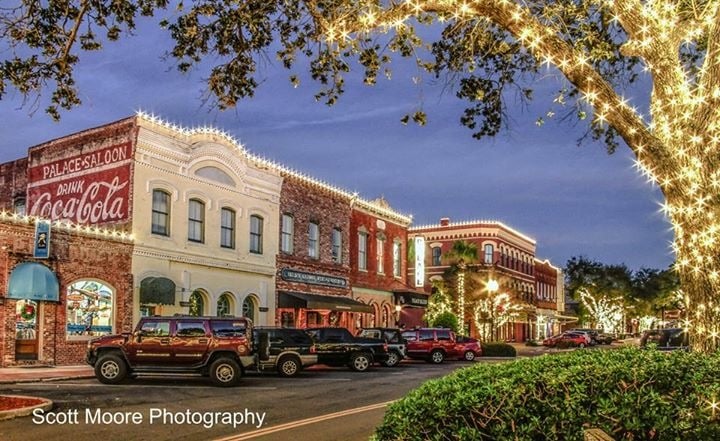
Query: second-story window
[[337, 245], [488, 253], [381, 256], [196, 221], [256, 234], [362, 251], [161, 213], [227, 228], [287, 234], [397, 259], [436, 256], [314, 240]]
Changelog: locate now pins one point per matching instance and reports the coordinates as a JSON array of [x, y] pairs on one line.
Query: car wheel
[[225, 372], [437, 356], [360, 362], [289, 366], [111, 369], [393, 359], [469, 356], [581, 345]]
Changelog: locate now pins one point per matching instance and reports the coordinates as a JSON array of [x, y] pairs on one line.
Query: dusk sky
[[572, 200]]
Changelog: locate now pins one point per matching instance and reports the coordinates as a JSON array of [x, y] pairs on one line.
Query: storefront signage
[[291, 275], [41, 248], [410, 299], [419, 261], [92, 188]]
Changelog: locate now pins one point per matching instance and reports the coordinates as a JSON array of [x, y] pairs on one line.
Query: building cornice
[[231, 264]]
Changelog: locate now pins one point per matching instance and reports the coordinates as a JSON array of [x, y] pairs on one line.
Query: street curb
[[24, 411], [47, 380]]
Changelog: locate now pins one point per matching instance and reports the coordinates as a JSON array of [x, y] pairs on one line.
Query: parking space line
[[299, 423]]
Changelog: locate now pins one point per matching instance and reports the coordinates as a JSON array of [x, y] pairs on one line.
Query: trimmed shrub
[[446, 320], [498, 349], [629, 393]]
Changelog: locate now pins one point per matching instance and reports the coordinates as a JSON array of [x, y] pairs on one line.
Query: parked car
[[431, 344], [590, 334], [338, 347], [568, 338], [286, 350], [666, 339], [397, 347], [220, 348], [604, 339], [468, 348]]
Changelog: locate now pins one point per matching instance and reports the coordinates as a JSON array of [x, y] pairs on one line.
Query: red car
[[569, 338], [468, 348]]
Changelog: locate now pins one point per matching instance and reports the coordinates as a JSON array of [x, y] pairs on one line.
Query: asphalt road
[[321, 404]]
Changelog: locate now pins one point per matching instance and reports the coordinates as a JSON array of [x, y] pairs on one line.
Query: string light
[[86, 230]]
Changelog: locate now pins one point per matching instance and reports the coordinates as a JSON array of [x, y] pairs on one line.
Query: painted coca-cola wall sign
[[92, 188]]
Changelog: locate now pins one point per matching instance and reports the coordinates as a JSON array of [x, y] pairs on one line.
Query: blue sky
[[572, 200]]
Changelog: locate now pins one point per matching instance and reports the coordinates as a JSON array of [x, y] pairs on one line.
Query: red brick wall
[[371, 278], [69, 159], [73, 257], [13, 182], [312, 203]]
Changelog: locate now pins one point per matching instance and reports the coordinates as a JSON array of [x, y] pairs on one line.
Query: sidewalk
[[30, 374]]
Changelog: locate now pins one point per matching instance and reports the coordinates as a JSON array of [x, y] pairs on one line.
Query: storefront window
[[248, 308], [26, 319], [197, 304], [89, 309], [287, 319]]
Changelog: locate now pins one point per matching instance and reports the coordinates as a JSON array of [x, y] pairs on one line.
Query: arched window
[[489, 253], [89, 309], [224, 305], [248, 308], [436, 256], [197, 304], [161, 213]]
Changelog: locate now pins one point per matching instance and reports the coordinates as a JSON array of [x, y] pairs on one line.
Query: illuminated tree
[[491, 311], [461, 255], [490, 48], [607, 312], [439, 303]]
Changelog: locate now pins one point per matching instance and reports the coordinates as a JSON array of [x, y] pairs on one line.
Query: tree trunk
[[697, 234]]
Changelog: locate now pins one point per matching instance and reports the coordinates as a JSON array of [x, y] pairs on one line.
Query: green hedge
[[497, 349], [629, 393]]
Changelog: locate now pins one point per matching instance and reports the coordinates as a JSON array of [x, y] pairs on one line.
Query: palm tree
[[462, 254]]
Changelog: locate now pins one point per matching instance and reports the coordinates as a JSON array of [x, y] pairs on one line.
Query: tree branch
[[709, 81]]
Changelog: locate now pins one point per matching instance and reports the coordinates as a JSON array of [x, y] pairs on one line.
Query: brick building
[[313, 267], [506, 257], [50, 306], [378, 262]]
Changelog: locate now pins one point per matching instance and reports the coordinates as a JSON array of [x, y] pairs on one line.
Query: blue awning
[[33, 281]]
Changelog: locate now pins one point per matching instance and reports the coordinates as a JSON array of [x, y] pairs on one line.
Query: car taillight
[[313, 350], [385, 347]]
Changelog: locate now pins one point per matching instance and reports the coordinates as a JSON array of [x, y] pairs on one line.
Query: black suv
[[397, 347], [218, 347], [283, 349], [666, 339], [338, 347]]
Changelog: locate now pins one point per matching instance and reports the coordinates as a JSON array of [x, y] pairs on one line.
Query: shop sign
[[419, 261], [91, 188], [41, 247], [291, 275], [410, 299]]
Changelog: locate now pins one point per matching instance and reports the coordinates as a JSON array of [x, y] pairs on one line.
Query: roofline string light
[[88, 230], [353, 197]]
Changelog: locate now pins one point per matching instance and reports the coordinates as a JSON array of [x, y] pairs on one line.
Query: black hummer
[[338, 347]]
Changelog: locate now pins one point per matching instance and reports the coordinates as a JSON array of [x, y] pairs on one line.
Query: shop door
[[26, 332]]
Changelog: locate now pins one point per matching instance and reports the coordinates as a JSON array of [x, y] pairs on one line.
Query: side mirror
[[138, 335]]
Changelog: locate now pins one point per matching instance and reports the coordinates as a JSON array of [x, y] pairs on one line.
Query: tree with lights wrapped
[[461, 256], [607, 313], [489, 47], [491, 311]]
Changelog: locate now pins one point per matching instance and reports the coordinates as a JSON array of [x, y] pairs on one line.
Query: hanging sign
[[41, 249]]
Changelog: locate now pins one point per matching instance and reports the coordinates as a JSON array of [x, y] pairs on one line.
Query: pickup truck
[[338, 347]]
